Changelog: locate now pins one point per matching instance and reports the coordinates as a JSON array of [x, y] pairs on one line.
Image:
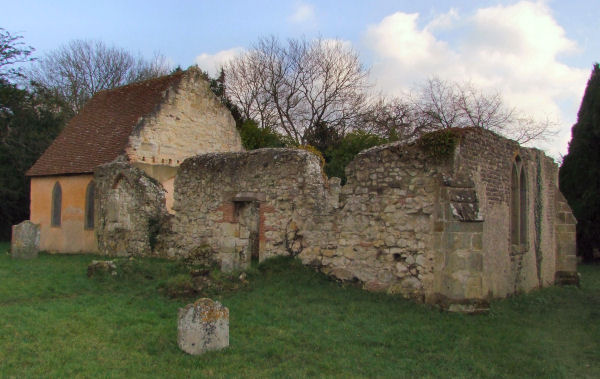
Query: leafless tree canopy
[[294, 87], [438, 104], [395, 119], [79, 69], [443, 104]]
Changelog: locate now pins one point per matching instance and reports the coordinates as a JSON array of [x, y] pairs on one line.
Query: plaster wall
[[70, 236]]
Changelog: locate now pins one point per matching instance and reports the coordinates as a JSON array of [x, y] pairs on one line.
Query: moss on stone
[[440, 144]]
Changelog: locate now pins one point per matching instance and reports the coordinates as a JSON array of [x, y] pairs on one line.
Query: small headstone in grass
[[203, 326], [25, 241], [97, 267]]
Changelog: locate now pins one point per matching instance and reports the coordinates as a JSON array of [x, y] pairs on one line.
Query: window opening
[[89, 205], [518, 204], [56, 205]]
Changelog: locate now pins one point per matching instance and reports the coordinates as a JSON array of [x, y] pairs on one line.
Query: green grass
[[289, 321]]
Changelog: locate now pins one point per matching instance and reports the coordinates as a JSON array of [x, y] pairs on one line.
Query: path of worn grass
[[290, 321]]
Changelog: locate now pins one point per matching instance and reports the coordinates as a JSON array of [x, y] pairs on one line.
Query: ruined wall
[[432, 228], [566, 259], [488, 159], [264, 202], [163, 174], [406, 222], [376, 230], [190, 121], [380, 231], [131, 217]]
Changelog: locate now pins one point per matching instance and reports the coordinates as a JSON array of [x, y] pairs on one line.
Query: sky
[[537, 53]]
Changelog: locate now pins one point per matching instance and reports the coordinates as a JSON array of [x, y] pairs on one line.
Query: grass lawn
[[289, 321]]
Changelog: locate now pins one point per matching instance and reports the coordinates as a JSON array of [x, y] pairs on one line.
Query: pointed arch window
[[89, 205], [518, 204], [56, 205]]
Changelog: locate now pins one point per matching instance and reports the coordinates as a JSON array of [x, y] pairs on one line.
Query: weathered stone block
[[567, 228], [25, 240], [101, 267], [203, 326], [464, 227], [468, 306], [563, 278], [342, 274]]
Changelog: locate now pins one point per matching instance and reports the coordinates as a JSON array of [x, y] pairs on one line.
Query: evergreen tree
[[29, 122], [580, 171]]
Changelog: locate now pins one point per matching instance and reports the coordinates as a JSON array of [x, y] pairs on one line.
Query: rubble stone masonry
[[434, 229]]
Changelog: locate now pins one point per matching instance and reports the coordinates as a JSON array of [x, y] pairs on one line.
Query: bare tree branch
[[300, 85], [79, 69], [444, 104]]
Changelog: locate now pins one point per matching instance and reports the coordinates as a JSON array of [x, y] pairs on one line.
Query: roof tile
[[99, 133]]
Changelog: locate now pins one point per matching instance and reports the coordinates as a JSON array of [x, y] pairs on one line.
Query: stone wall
[[431, 228], [131, 217], [262, 203], [380, 232], [376, 230], [566, 259], [190, 121], [488, 158]]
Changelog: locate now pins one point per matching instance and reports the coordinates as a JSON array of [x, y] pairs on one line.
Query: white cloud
[[444, 21], [303, 13], [514, 49], [212, 63]]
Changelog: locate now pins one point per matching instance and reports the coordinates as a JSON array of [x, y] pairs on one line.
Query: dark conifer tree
[[29, 122], [580, 171]]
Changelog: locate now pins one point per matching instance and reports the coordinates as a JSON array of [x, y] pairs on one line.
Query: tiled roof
[[100, 131]]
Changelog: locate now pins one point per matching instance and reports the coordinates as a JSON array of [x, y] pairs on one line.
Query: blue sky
[[538, 53]]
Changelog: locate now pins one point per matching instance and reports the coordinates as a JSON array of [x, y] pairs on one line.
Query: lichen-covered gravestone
[[25, 241], [203, 326]]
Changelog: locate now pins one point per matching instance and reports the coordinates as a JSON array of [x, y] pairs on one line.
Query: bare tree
[[443, 104], [395, 119], [79, 69], [298, 86], [12, 51]]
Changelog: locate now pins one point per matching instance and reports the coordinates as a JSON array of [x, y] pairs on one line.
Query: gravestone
[[25, 241], [203, 326]]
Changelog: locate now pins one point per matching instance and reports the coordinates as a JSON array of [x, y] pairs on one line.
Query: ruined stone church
[[153, 125], [157, 168]]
